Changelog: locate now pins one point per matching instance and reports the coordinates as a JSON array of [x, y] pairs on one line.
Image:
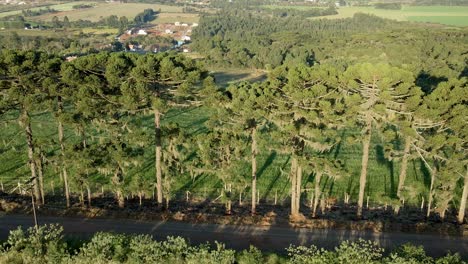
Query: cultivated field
[[58, 7], [176, 17], [449, 15], [103, 10], [106, 9]]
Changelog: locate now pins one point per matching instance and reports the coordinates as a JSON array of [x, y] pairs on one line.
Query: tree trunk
[[229, 207], [461, 211], [67, 189], [157, 130], [365, 160], [404, 166], [298, 188], [40, 172], [120, 198], [82, 197], [32, 164], [293, 176], [140, 198], [317, 194], [254, 170], [429, 200], [62, 148], [117, 181], [89, 194]]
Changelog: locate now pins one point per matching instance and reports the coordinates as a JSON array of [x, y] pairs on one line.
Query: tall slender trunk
[[404, 166], [62, 149], [431, 194], [117, 181], [294, 210], [40, 172], [461, 211], [83, 137], [67, 189], [157, 130], [140, 198], [89, 194], [298, 188], [32, 163], [82, 202], [317, 194], [365, 160], [254, 170]]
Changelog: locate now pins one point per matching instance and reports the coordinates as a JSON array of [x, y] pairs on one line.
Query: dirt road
[[239, 237]]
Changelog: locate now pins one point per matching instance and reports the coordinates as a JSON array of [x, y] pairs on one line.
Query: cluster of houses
[[180, 32]]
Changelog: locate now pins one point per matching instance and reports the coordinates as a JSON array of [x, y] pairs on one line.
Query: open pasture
[[176, 17], [448, 15], [101, 10], [58, 7]]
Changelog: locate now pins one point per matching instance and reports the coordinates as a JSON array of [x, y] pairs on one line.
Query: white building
[[142, 32]]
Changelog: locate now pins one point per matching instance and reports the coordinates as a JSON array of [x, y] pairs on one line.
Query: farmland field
[[449, 15], [176, 17], [58, 7], [106, 9], [100, 10]]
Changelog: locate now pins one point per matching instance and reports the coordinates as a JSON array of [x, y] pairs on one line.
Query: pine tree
[[21, 78], [160, 82], [307, 109], [446, 142], [376, 94], [241, 112]]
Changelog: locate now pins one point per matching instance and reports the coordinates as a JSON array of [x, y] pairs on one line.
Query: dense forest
[[48, 245], [239, 39]]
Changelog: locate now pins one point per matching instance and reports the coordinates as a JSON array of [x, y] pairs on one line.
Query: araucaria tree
[[376, 95], [446, 143], [241, 112], [158, 83], [307, 109], [21, 77]]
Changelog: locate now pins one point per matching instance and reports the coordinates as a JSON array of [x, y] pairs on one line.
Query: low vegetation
[[46, 244]]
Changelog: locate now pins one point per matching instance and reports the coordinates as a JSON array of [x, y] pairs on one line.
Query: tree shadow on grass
[[381, 159], [425, 173], [266, 164], [278, 175]]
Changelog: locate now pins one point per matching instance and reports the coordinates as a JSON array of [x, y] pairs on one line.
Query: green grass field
[[100, 10], [176, 17], [272, 167], [106, 9], [58, 7], [448, 15]]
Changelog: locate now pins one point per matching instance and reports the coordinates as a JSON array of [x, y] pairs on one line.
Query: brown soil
[[409, 220]]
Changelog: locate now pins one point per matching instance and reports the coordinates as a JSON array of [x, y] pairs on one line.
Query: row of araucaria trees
[[300, 111]]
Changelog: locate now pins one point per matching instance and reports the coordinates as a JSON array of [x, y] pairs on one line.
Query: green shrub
[[251, 256], [42, 245]]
